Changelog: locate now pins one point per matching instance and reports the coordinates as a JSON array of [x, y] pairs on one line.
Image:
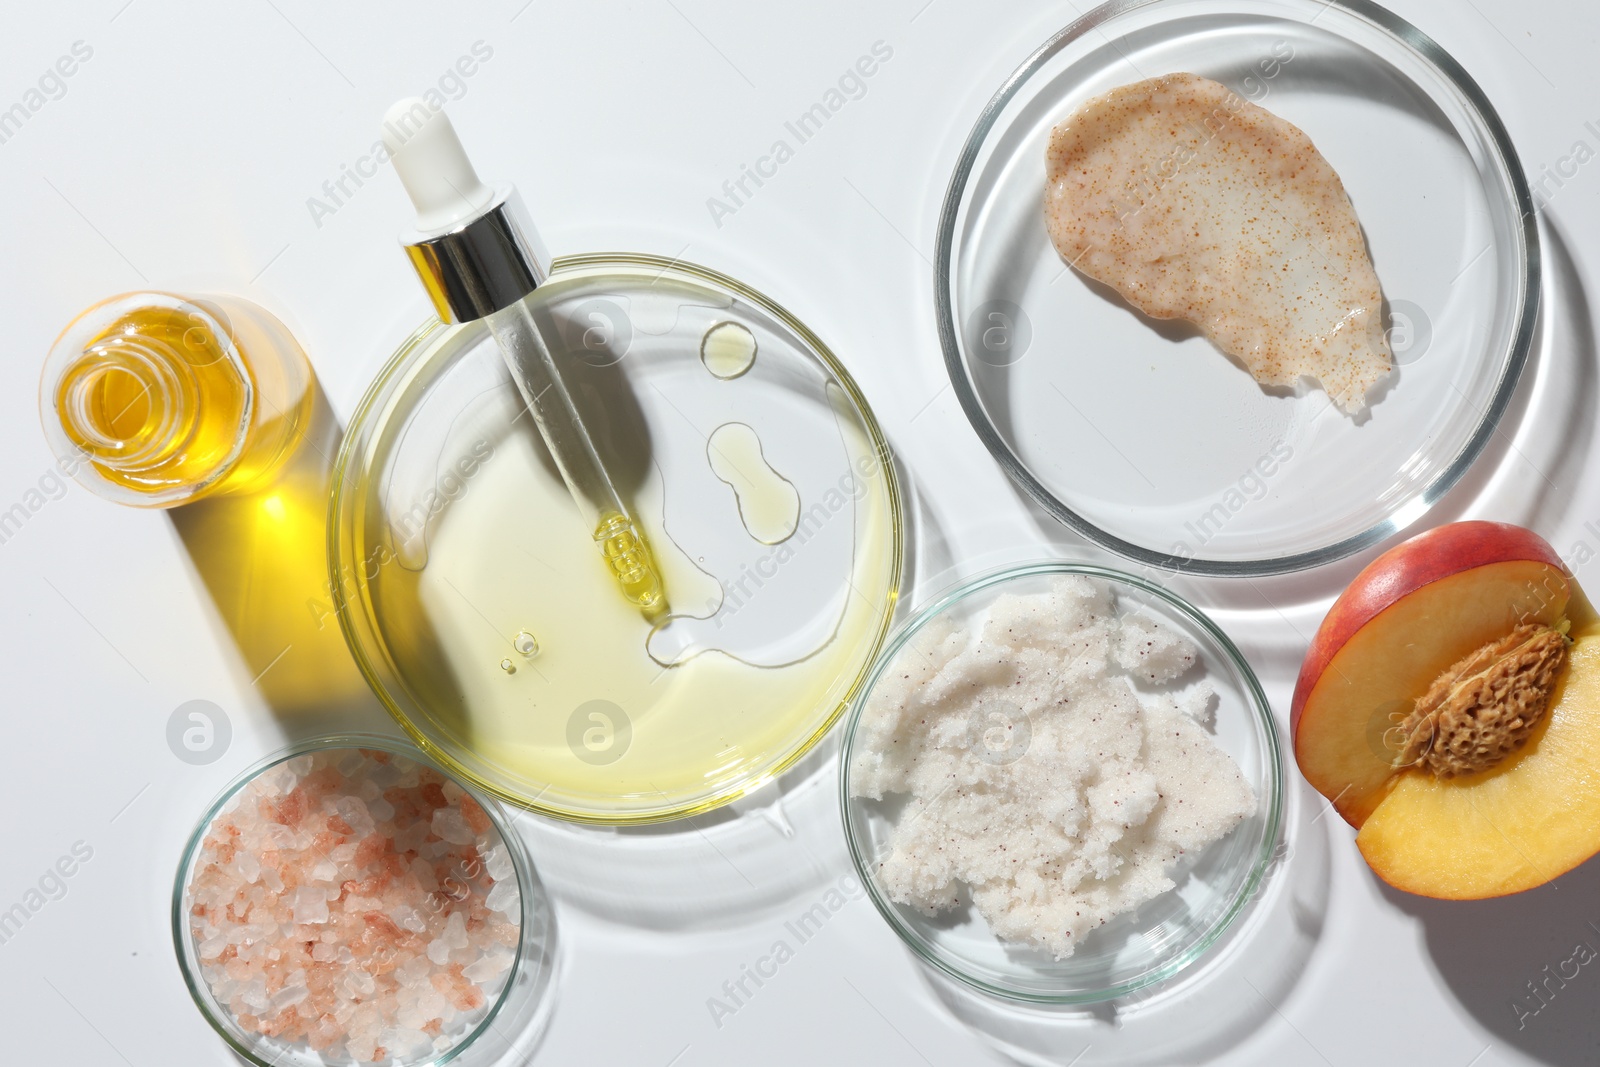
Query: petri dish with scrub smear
[[1137, 433]]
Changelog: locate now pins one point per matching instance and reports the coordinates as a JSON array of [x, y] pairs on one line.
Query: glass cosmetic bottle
[[154, 399]]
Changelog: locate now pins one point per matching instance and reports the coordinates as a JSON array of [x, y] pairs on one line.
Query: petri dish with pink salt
[[346, 901]]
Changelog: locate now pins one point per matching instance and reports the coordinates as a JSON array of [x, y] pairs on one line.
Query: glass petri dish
[[1164, 935], [515, 1003], [484, 618], [1141, 435]]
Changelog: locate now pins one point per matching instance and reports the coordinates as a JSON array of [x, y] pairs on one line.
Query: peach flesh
[[1512, 827], [1410, 615], [1384, 665]]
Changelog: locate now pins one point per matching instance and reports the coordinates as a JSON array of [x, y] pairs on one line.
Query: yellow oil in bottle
[[166, 400]]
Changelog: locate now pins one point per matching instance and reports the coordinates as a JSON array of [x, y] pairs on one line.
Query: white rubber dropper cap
[[434, 168]]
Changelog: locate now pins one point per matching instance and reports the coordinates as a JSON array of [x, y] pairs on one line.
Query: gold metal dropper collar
[[487, 263]]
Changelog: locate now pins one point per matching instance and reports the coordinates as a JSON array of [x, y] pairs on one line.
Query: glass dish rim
[[1272, 786], [1419, 502], [517, 849], [346, 605]]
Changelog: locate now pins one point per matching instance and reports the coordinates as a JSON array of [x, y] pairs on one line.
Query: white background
[[182, 156]]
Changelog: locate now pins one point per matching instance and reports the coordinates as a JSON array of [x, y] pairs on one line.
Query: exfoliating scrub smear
[[1080, 363], [474, 600], [347, 902], [1061, 783]]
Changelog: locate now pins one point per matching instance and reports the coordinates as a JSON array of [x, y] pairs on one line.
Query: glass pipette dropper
[[479, 257]]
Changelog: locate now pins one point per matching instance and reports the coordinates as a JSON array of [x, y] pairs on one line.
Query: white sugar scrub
[[1056, 761], [355, 903]]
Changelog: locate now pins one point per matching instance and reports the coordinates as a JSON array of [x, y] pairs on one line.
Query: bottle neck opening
[[124, 402]]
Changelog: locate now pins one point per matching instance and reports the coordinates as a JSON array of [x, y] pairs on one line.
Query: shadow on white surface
[[1527, 966], [1561, 422], [262, 557], [714, 871], [1203, 1013]]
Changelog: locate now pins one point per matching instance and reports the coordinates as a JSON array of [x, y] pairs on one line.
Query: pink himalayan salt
[[343, 899]]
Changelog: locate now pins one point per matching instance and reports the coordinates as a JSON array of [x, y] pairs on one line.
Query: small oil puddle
[[728, 350], [769, 504]]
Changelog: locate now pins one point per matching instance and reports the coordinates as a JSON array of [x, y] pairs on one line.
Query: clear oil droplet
[[769, 504], [526, 643], [728, 349], [507, 666]]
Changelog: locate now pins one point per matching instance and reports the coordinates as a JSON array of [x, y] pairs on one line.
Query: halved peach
[[1449, 707]]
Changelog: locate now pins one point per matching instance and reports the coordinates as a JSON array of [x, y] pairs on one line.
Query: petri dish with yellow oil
[[475, 603]]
